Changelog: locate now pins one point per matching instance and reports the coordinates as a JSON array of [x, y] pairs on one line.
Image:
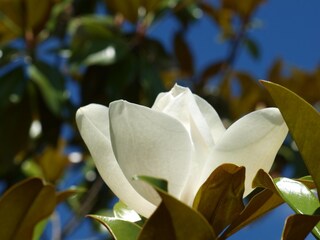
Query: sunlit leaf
[[94, 41], [122, 211], [300, 198], [303, 125], [120, 229], [220, 198], [298, 226], [23, 206], [52, 162], [175, 220]]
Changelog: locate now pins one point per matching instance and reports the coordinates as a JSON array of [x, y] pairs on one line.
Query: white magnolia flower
[[180, 139]]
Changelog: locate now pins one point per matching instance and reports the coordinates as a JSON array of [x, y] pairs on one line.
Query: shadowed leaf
[[173, 220], [220, 198], [299, 226], [260, 204]]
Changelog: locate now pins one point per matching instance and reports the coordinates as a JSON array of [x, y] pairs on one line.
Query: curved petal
[[253, 142], [213, 120], [151, 143], [93, 124], [181, 104]]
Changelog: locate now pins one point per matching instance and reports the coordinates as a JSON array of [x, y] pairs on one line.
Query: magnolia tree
[[179, 174]]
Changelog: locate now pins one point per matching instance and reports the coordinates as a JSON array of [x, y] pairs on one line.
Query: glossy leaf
[[23, 206], [294, 193], [299, 197], [304, 126], [94, 41], [220, 198], [120, 229], [122, 211], [175, 220], [299, 226]]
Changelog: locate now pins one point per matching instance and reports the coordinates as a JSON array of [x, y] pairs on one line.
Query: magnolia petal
[[181, 104], [253, 142], [147, 142], [214, 122], [93, 124]]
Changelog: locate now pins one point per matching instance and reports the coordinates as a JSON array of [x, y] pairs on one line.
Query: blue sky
[[289, 29]]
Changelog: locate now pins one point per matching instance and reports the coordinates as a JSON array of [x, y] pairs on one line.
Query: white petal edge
[[253, 142], [147, 142], [93, 124], [214, 122]]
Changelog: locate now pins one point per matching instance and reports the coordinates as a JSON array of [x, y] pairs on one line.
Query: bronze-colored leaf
[[23, 206], [259, 205], [220, 198], [173, 220], [298, 226]]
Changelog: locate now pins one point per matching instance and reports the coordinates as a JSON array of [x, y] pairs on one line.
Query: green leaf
[[177, 221], [155, 182], [23, 206], [299, 226], [220, 198], [49, 81], [94, 41], [300, 198], [120, 229], [123, 212], [304, 126], [253, 48], [259, 205]]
